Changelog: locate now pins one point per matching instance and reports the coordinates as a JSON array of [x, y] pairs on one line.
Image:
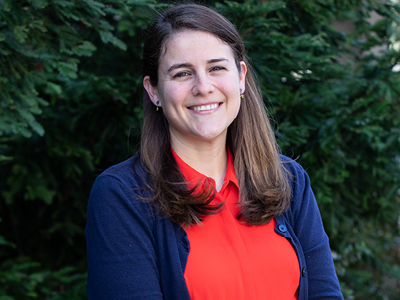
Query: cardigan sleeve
[[308, 228], [121, 255]]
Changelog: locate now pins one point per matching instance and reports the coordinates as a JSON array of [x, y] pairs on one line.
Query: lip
[[205, 107]]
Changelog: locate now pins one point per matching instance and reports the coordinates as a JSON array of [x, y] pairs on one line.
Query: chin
[[212, 136]]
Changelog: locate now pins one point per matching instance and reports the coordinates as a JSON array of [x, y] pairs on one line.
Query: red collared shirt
[[231, 260]]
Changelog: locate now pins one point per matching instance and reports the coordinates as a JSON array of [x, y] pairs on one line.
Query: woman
[[208, 210]]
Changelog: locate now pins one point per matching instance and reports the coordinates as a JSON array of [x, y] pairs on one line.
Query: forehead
[[189, 45]]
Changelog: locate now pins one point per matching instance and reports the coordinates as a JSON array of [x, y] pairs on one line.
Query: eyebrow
[[187, 65], [177, 66]]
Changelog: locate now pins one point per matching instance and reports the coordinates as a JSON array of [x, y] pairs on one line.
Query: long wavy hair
[[264, 188]]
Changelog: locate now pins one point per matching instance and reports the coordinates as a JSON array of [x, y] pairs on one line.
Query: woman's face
[[198, 87]]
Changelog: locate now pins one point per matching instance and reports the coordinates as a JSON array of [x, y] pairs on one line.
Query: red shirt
[[231, 260]]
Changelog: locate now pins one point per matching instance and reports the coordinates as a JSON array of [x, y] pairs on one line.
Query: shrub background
[[70, 106]]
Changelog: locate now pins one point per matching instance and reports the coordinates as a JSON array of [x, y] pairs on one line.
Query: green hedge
[[70, 106]]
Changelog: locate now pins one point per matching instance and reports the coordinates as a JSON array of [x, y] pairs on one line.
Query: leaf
[[5, 52], [6, 5], [38, 24], [27, 115], [96, 6], [20, 33], [108, 37], [4, 242], [30, 100], [24, 131], [5, 158], [38, 128], [53, 88], [85, 49], [39, 3], [68, 69], [40, 192]]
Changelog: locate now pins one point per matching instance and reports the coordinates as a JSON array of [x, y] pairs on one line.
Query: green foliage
[[70, 90], [42, 43], [84, 83], [23, 279]]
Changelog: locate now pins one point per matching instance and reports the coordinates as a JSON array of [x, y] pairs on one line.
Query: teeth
[[205, 107]]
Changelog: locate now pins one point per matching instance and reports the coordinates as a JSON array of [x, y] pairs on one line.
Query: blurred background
[[70, 106]]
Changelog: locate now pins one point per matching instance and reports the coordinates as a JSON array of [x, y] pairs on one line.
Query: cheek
[[237, 103], [237, 108], [230, 85], [173, 95]]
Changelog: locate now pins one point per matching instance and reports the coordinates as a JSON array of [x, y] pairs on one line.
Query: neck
[[208, 159]]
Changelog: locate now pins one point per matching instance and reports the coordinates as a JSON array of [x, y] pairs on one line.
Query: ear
[[152, 91], [242, 76]]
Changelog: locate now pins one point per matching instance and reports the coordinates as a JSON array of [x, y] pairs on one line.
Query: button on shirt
[[231, 260]]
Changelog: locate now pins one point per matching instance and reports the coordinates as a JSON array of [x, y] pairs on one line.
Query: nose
[[203, 85]]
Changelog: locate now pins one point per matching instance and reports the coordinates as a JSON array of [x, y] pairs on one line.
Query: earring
[[241, 94], [157, 105]]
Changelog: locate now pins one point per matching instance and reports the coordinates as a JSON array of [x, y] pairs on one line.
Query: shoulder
[[291, 165], [128, 168], [302, 196], [122, 185], [130, 173], [297, 176], [303, 214]]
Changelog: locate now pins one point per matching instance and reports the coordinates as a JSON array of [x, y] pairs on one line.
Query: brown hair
[[264, 188]]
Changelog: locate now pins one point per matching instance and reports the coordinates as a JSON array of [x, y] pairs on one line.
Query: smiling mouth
[[205, 107]]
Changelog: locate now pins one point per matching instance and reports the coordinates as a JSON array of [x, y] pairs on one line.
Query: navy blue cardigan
[[135, 253]]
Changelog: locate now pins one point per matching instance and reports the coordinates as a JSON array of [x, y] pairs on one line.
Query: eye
[[181, 74], [217, 68]]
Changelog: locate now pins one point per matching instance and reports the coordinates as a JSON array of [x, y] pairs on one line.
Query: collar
[[194, 177]]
